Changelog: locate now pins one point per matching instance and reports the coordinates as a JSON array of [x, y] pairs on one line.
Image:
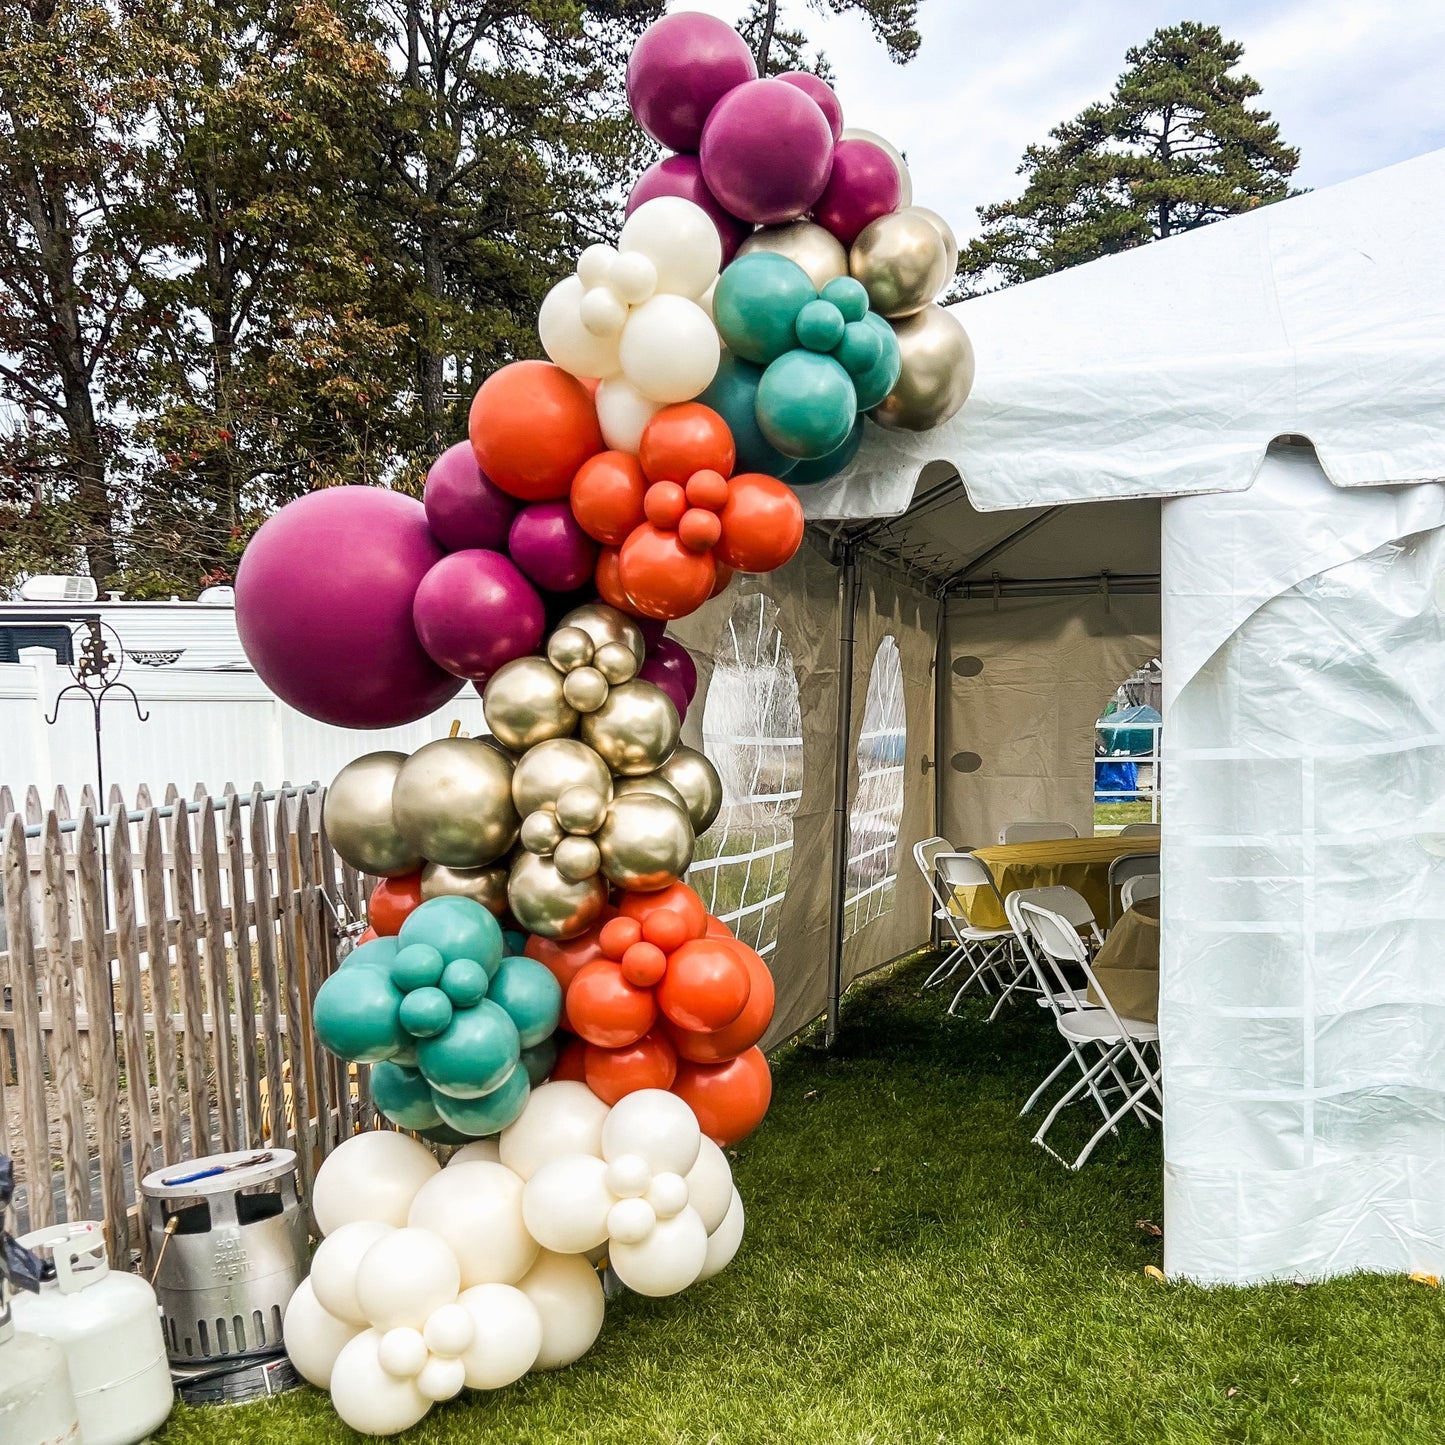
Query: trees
[[782, 48], [1175, 146]]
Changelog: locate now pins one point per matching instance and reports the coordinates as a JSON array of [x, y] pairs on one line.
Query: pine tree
[[780, 48]]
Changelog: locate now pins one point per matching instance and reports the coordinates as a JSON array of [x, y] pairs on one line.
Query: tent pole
[[846, 627], [941, 663]]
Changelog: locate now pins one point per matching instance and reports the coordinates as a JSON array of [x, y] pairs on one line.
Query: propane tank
[[108, 1324]]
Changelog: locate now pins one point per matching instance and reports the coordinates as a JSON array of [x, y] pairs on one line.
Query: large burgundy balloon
[[767, 151], [652, 629], [474, 611], [323, 605], [547, 543], [864, 185], [669, 665], [823, 96], [679, 70], [682, 176], [464, 506]]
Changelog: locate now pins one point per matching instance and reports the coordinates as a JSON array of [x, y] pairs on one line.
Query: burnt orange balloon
[[564, 959], [716, 928], [605, 1009], [608, 577], [618, 935], [571, 1059], [676, 898], [391, 900], [706, 985], [366, 935], [707, 489], [612, 1074], [644, 964], [724, 578], [717, 1046], [662, 578], [607, 495], [665, 930], [698, 529], [729, 1099], [684, 439], [590, 383], [532, 426], [762, 524]]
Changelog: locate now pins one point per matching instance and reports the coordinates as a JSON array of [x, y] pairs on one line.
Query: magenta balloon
[[323, 605], [465, 507], [679, 69], [549, 546], [864, 185], [669, 659], [668, 684], [474, 611], [682, 176], [766, 152], [651, 629], [822, 94]]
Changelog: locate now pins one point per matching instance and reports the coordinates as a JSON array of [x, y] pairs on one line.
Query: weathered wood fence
[[158, 967]]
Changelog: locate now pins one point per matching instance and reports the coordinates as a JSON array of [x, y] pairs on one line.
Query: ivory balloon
[[905, 180], [507, 1335], [710, 1185], [622, 413], [524, 706], [545, 903], [313, 1336], [635, 730], [406, 1275], [560, 1118], [820, 253], [645, 842], [669, 349], [604, 624], [902, 261], [487, 886], [668, 1260], [690, 772], [680, 240], [453, 802], [358, 818], [568, 1295], [478, 1151], [950, 241], [656, 1125], [551, 768], [334, 1266], [372, 1176], [477, 1209], [937, 372], [565, 1204], [565, 337], [723, 1242], [366, 1397]]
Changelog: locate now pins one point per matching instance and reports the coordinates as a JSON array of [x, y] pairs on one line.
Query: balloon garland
[[537, 983]]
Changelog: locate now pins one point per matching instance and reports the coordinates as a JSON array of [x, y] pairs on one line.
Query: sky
[[1354, 84]]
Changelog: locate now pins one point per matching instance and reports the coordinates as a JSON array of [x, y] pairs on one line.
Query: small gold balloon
[[524, 705], [820, 253], [653, 784], [358, 818], [576, 859], [950, 241], [453, 802], [553, 768], [606, 624], [645, 842], [697, 780], [616, 662], [581, 810], [545, 903], [541, 832], [937, 372], [584, 689], [901, 261], [635, 730], [569, 647], [487, 886]]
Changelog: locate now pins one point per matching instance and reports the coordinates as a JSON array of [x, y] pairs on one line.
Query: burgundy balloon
[[547, 543], [324, 608], [475, 610], [465, 507], [669, 664], [822, 94], [671, 686], [679, 69], [652, 629], [682, 176], [767, 151], [864, 185]]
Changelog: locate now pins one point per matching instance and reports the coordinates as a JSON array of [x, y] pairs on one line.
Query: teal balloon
[[445, 1134], [457, 928], [875, 383], [513, 941], [473, 1054], [820, 469], [733, 395], [819, 326], [806, 404], [860, 349], [357, 1014], [465, 982], [418, 965], [756, 305], [378, 953], [425, 1012], [531, 996], [540, 1060], [488, 1113], [405, 1052], [404, 1097], [848, 295]]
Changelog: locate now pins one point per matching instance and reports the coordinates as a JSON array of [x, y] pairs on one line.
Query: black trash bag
[[21, 1268]]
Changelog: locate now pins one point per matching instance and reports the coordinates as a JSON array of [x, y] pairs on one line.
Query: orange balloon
[[698, 529], [644, 964], [729, 1099], [605, 1009], [564, 959], [663, 578], [684, 439], [724, 578], [591, 383], [716, 1046], [571, 1059], [650, 1063], [391, 900], [609, 580], [665, 930], [707, 489], [618, 935], [706, 985], [532, 426], [716, 928], [676, 898], [607, 495], [366, 935], [762, 524]]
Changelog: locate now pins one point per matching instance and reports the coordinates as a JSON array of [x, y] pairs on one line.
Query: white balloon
[[568, 1295], [406, 1275], [723, 1242], [594, 265], [449, 1331], [633, 277], [441, 1378], [603, 312], [559, 1119], [905, 180], [706, 301], [565, 1204], [507, 1338], [477, 1209], [566, 340], [314, 1336], [622, 413], [630, 1221], [479, 1151], [628, 1176], [366, 1397], [680, 240], [371, 1176], [668, 1260], [334, 1266], [402, 1352], [669, 349], [667, 1194], [710, 1185], [657, 1125]]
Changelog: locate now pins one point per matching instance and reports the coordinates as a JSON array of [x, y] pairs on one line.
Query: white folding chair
[[924, 853], [987, 949], [1142, 885], [1139, 830], [1124, 867], [1036, 832]]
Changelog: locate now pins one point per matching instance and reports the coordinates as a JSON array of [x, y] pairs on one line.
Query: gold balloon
[[950, 241], [901, 261], [820, 253], [584, 689], [553, 768], [697, 780], [937, 372], [487, 886], [605, 624], [655, 785], [635, 730], [569, 647], [576, 859], [616, 662], [524, 705], [545, 903], [645, 842], [580, 810], [541, 832], [357, 814], [453, 802]]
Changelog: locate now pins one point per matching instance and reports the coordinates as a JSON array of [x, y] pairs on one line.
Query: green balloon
[[848, 295], [465, 982], [806, 404], [425, 1012], [418, 965], [487, 1113], [404, 1097], [457, 928], [733, 395], [820, 469], [377, 952], [859, 350], [875, 383], [531, 996], [756, 305], [473, 1054], [540, 1060], [357, 1014], [819, 326]]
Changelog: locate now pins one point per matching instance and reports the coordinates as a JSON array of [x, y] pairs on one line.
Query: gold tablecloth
[[1127, 966]]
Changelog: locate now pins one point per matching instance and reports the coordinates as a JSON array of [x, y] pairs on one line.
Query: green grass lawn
[[915, 1270]]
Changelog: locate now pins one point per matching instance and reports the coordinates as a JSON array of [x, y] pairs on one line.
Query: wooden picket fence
[[158, 969]]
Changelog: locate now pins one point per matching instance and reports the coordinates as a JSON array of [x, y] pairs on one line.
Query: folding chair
[[983, 947], [1036, 832], [924, 853], [1124, 867], [1142, 885], [1139, 830]]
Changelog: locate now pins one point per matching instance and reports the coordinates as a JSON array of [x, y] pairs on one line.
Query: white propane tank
[[108, 1325], [36, 1403]]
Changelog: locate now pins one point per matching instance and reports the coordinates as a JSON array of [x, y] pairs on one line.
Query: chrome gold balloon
[[553, 768], [569, 647], [546, 903], [645, 842], [541, 832], [616, 662], [820, 253], [937, 372], [580, 810], [635, 730], [697, 780], [576, 858], [358, 818], [902, 262], [453, 802], [605, 624], [950, 241], [655, 785], [524, 705], [487, 886], [584, 689]]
